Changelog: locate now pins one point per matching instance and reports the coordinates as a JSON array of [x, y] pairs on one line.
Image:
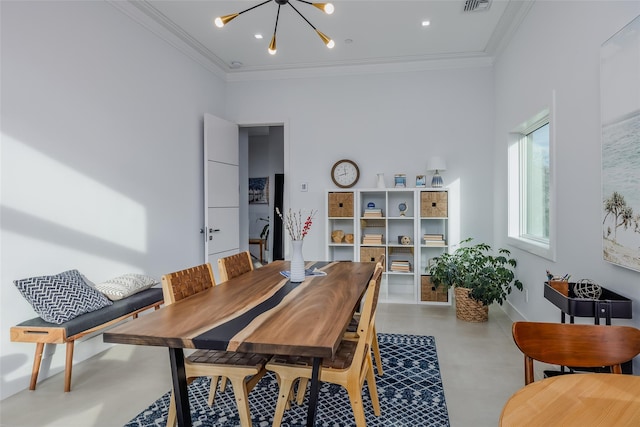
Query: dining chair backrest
[[234, 265], [370, 303], [184, 283], [581, 346]]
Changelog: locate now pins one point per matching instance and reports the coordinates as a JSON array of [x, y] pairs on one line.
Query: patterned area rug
[[410, 392]]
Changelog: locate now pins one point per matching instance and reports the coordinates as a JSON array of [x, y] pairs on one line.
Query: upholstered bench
[[41, 332]]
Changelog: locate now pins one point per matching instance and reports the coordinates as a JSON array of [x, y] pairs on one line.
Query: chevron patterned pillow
[[125, 285], [61, 297]]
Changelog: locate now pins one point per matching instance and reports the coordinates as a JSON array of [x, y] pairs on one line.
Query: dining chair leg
[[223, 384], [355, 397], [171, 417], [286, 384], [373, 389], [376, 351], [302, 390], [242, 400], [212, 390]]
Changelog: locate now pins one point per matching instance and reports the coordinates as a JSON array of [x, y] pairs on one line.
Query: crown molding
[[150, 18], [363, 67]]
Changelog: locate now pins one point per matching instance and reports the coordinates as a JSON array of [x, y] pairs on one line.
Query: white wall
[[387, 123], [557, 48], [101, 157]]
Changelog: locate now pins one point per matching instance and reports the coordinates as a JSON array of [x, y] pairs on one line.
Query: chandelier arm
[[277, 18], [294, 8], [253, 7]]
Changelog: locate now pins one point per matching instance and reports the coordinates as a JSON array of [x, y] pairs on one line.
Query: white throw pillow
[[125, 285]]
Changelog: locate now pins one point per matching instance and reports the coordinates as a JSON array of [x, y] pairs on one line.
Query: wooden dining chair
[[353, 326], [351, 366], [580, 346], [234, 265], [243, 369]]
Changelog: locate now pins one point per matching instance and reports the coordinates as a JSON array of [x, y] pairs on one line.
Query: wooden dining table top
[[260, 311], [581, 400]]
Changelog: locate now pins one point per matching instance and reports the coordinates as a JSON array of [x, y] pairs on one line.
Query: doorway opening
[[264, 177]]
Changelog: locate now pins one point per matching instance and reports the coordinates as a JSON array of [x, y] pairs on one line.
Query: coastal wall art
[[620, 121]]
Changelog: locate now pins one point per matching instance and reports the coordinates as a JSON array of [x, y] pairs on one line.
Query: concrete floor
[[480, 365]]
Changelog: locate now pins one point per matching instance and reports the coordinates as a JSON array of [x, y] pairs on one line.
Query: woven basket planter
[[469, 309]]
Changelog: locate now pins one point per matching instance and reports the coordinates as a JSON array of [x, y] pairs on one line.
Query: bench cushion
[[98, 317], [61, 297]]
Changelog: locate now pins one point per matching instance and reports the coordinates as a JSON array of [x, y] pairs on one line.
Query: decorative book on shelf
[[372, 213], [372, 239], [400, 265], [433, 240]]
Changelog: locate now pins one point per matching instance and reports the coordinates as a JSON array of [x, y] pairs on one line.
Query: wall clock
[[345, 173]]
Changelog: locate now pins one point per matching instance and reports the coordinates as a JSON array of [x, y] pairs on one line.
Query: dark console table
[[610, 305]]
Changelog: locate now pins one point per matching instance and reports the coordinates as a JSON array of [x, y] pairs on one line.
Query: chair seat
[[342, 360], [228, 358]]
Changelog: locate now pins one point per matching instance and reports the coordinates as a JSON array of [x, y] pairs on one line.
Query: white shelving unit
[[401, 241]]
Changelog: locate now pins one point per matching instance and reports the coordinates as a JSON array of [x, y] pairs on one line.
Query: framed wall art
[[620, 122], [259, 191]]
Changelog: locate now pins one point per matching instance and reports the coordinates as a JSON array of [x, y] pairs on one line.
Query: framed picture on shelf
[[421, 181], [400, 180]]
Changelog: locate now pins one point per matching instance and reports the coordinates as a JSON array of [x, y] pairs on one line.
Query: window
[[531, 216]]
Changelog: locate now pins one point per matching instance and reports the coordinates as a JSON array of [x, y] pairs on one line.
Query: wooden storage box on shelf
[[370, 254], [434, 204], [428, 291], [341, 205], [561, 286]]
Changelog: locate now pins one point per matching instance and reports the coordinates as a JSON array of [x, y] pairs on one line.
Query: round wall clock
[[345, 173]]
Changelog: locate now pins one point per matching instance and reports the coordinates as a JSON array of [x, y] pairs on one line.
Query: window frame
[[517, 192]]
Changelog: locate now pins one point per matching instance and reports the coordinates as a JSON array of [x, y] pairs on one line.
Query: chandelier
[[327, 8]]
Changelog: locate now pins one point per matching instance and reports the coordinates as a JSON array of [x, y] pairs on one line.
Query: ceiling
[[365, 32]]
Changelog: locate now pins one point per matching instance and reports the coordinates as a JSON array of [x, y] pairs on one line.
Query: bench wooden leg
[[36, 365], [68, 366]]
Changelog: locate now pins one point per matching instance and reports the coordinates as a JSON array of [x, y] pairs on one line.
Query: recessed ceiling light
[[426, 23], [258, 36], [236, 64]]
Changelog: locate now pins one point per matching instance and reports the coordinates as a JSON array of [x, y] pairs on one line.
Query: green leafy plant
[[489, 276], [264, 234]]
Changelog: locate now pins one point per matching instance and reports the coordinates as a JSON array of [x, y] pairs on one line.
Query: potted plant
[[479, 278]]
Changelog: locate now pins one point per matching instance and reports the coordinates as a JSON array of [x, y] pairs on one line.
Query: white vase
[[297, 262], [381, 183]]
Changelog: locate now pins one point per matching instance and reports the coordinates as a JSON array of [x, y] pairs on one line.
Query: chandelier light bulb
[[325, 7], [272, 45], [220, 21]]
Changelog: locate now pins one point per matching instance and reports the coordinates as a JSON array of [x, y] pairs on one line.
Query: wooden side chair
[[581, 346], [351, 329], [350, 368], [243, 369], [234, 265]]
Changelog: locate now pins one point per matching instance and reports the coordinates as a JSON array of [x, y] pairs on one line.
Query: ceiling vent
[[476, 5]]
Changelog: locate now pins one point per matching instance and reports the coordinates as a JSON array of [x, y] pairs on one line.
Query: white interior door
[[221, 190]]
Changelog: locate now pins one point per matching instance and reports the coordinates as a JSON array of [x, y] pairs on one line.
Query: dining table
[[580, 400], [261, 311]]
